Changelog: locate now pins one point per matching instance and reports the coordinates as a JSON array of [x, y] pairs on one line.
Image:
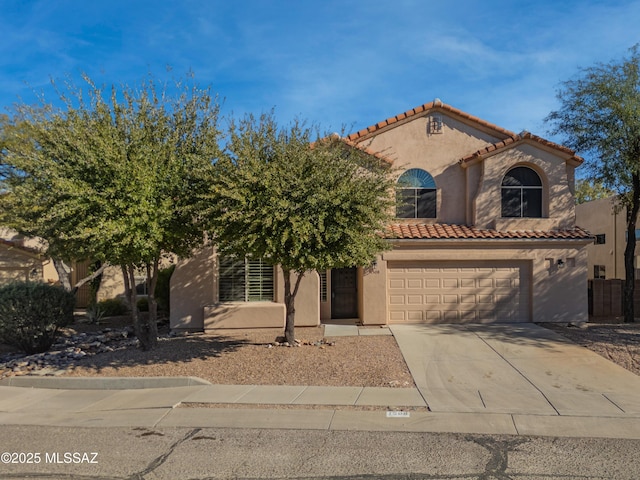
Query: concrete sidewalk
[[504, 379]]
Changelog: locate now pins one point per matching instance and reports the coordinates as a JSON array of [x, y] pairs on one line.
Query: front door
[[344, 293]]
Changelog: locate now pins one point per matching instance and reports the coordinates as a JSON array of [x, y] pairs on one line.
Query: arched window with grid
[[416, 195], [522, 193]]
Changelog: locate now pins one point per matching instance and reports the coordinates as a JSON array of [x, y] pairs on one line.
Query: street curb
[[102, 383]]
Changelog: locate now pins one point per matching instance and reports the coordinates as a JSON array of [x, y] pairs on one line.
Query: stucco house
[[22, 258], [485, 232], [605, 256], [19, 262]]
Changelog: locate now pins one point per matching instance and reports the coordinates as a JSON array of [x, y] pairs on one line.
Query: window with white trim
[[416, 195], [245, 280]]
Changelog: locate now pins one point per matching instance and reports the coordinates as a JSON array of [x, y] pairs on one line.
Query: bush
[[112, 307], [162, 288], [143, 304], [31, 314]]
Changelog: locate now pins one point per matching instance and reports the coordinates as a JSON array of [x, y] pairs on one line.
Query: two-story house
[[485, 232], [608, 225]]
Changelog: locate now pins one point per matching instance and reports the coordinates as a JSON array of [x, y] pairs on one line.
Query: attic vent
[[434, 124]]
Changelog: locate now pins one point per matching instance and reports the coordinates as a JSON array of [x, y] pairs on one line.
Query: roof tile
[[423, 231]]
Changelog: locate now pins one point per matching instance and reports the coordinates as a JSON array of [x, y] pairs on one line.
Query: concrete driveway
[[514, 368]]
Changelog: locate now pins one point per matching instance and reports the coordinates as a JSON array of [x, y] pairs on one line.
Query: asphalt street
[[207, 453]]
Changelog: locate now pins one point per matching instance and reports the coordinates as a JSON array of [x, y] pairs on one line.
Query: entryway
[[344, 293]]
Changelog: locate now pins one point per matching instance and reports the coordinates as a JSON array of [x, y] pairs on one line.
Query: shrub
[[31, 314], [143, 304], [112, 307], [162, 288]]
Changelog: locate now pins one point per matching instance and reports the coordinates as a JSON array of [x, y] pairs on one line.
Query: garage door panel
[[397, 300], [491, 291]]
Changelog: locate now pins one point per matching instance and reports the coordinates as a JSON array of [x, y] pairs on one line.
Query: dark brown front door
[[344, 293]]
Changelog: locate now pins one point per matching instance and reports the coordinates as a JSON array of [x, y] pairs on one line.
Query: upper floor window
[[245, 280], [601, 239], [416, 195], [522, 193]]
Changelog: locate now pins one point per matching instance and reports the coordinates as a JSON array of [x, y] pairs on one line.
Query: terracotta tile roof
[[352, 144], [443, 231], [422, 109], [519, 138]]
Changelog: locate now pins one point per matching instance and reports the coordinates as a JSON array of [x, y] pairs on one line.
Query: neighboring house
[[609, 227], [485, 232], [21, 258], [18, 262]]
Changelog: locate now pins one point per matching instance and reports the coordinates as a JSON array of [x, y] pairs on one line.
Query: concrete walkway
[[502, 379]]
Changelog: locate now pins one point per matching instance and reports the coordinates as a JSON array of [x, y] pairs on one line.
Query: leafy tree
[[114, 179], [588, 190], [600, 117], [300, 205]]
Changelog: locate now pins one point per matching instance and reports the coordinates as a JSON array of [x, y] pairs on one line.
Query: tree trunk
[[152, 319], [146, 332], [289, 302], [63, 274], [630, 250]]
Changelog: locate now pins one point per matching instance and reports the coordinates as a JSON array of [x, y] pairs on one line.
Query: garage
[[458, 292]]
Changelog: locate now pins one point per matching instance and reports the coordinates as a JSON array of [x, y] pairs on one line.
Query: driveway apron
[[513, 368]]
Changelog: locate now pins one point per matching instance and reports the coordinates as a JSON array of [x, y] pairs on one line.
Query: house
[[22, 258], [605, 257], [18, 262], [485, 232]]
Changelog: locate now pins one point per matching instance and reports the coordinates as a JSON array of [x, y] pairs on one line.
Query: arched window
[[416, 195], [522, 193]]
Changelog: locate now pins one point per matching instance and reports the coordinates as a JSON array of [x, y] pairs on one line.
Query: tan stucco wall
[[558, 209], [599, 217], [195, 306], [410, 146], [192, 287], [373, 306], [307, 302], [18, 265]]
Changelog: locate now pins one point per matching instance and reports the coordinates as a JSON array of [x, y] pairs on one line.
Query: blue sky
[[335, 63]]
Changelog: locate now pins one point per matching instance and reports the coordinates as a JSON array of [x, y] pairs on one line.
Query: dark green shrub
[[162, 288], [143, 304], [31, 314], [112, 307]]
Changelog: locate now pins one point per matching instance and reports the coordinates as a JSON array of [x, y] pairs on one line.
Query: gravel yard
[[246, 357]]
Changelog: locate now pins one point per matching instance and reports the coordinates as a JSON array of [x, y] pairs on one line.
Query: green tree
[[599, 116], [115, 179], [588, 190], [301, 205]]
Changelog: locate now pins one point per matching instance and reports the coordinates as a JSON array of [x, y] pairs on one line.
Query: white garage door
[[463, 292]]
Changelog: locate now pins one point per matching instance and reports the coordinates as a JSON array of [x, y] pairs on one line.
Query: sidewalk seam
[[155, 425], [513, 420]]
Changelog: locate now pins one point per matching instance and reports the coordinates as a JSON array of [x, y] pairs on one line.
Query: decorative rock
[[67, 351]]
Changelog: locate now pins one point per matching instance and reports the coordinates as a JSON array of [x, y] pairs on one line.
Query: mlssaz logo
[[71, 457]]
